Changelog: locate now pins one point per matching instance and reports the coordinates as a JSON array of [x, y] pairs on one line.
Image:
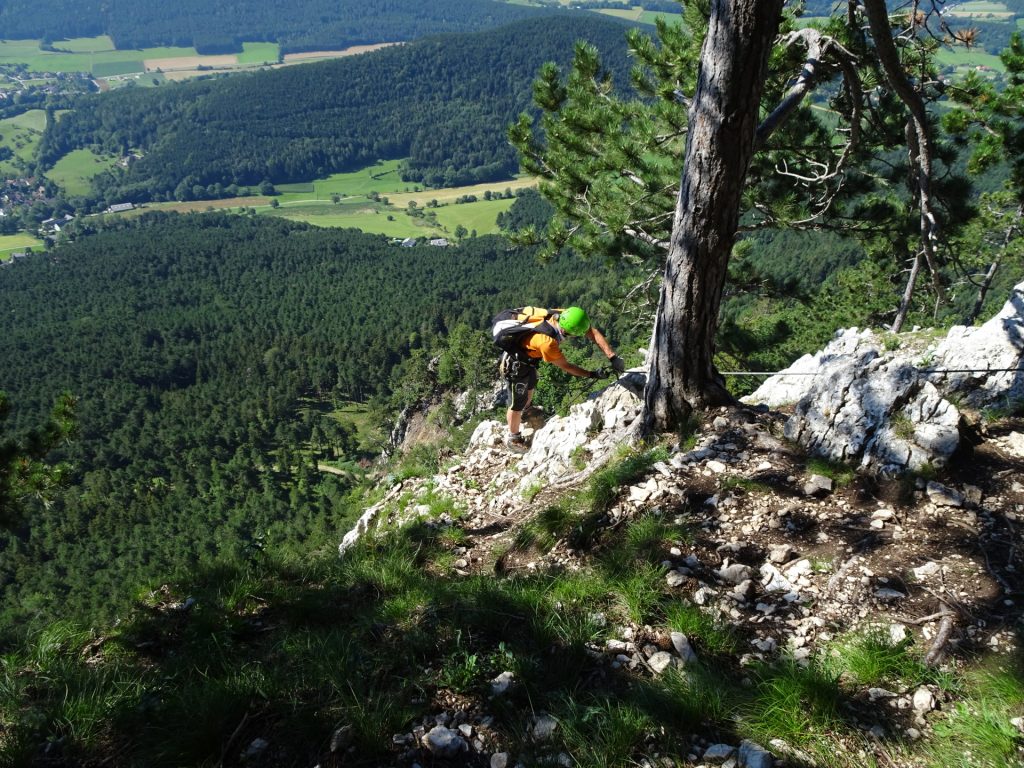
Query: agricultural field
[[962, 59], [21, 135], [365, 216], [313, 202], [20, 242], [479, 217], [151, 66], [93, 55], [395, 221], [74, 171], [979, 9], [382, 177], [450, 195]]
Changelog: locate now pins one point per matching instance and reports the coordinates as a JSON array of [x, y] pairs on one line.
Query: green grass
[[369, 643], [21, 135], [95, 55], [74, 172], [977, 732], [312, 202], [618, 13], [872, 659], [114, 68], [650, 17], [800, 705], [841, 474], [979, 8], [481, 216], [367, 218], [258, 53], [87, 44], [708, 635], [359, 417], [961, 57], [19, 242]]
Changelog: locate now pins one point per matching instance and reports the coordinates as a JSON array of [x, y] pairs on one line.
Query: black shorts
[[522, 379]]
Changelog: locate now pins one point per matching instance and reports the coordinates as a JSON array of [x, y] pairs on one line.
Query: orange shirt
[[542, 346]]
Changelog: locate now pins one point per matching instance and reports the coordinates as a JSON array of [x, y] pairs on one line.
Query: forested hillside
[[205, 353], [445, 103], [220, 27]]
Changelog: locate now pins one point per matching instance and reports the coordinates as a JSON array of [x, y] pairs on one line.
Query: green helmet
[[574, 321]]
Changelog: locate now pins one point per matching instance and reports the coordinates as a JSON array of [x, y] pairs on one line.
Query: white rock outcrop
[[893, 410]]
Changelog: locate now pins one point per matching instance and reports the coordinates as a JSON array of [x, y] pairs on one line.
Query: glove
[[618, 364], [601, 373]]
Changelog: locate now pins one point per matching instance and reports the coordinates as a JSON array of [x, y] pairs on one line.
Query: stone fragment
[[681, 643], [1014, 443], [924, 700], [675, 578], [874, 694], [942, 496], [752, 755], [543, 727], [718, 753], [818, 485], [735, 573], [885, 593], [773, 581], [716, 466], [660, 661], [444, 743], [781, 553], [922, 572], [499, 760], [255, 749], [898, 633], [342, 738]]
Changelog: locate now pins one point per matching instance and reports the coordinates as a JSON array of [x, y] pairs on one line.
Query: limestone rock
[[890, 411], [753, 755], [444, 743]]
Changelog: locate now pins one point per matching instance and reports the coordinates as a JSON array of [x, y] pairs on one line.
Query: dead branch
[[936, 652]]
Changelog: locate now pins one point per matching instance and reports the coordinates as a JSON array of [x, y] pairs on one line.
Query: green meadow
[[259, 53], [98, 56], [313, 202], [382, 177], [979, 9], [480, 216], [364, 216], [74, 172], [21, 135], [961, 57], [19, 242], [650, 17]]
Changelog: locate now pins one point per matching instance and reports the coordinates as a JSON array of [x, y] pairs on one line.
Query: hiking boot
[[517, 443]]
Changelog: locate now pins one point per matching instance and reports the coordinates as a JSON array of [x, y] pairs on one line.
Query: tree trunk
[[919, 140], [722, 123]]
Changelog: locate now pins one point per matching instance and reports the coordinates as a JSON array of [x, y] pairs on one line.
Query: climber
[[530, 334]]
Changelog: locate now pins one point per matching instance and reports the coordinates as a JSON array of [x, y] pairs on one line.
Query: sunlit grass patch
[[708, 633], [977, 732], [800, 705], [872, 659]]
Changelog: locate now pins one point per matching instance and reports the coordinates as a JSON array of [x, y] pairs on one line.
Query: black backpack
[[511, 326]]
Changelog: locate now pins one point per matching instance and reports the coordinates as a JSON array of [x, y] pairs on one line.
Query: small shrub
[[873, 659], [842, 475], [531, 491], [703, 630]]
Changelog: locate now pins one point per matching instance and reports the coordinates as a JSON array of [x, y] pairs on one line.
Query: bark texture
[[722, 122]]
